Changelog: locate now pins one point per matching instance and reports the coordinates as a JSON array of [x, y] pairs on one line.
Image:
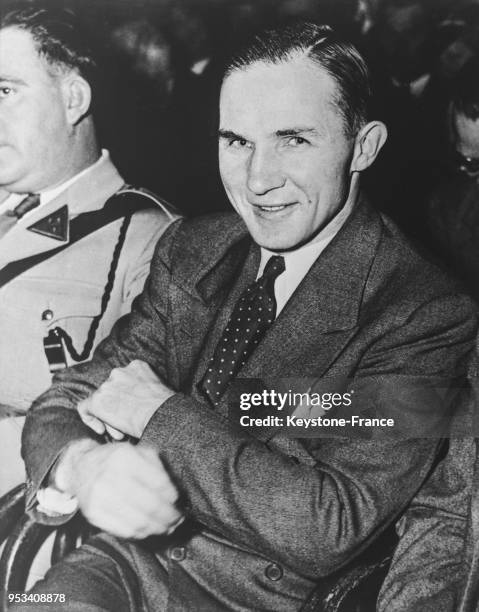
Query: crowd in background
[[157, 101]]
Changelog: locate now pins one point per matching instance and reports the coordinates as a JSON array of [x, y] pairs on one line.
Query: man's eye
[[238, 143], [5, 91], [295, 141]]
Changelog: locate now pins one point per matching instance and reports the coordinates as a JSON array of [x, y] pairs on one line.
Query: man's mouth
[[273, 208]]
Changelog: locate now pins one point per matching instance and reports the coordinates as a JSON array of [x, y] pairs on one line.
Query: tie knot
[[273, 268], [29, 203]]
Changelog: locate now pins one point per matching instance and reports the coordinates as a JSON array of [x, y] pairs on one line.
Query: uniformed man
[[75, 242]]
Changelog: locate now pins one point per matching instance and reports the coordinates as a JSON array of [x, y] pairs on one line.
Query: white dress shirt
[[298, 262]]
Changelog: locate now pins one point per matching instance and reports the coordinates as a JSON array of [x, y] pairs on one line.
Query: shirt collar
[[50, 194], [301, 259]]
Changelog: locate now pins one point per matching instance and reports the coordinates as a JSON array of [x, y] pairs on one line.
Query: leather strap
[[118, 206]]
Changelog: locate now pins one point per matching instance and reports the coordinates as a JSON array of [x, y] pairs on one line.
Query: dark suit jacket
[[436, 564], [432, 561], [369, 307]]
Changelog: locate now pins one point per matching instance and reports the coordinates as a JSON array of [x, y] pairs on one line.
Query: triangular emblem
[[55, 225]]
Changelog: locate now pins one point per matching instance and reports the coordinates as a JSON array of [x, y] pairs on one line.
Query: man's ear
[[369, 142], [77, 96]]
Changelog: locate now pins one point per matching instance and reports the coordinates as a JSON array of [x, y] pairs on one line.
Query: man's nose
[[264, 172]]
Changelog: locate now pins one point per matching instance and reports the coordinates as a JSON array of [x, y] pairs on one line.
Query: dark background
[[156, 101]]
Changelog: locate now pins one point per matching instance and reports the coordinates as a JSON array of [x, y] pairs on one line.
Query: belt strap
[[118, 206]]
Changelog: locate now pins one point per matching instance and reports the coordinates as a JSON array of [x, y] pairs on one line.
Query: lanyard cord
[[58, 331]]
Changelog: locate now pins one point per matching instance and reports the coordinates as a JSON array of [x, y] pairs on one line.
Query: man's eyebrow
[[296, 131], [230, 135], [4, 78]]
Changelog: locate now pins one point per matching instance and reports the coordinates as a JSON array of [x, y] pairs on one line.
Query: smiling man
[[287, 156], [304, 280]]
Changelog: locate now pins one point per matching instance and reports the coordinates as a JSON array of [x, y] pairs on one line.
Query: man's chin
[[282, 236], [277, 243]]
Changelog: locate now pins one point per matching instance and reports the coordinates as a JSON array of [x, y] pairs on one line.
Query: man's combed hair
[[339, 58], [57, 35]]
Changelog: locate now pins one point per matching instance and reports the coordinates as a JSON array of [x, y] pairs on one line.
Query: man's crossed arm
[[121, 488], [235, 484]]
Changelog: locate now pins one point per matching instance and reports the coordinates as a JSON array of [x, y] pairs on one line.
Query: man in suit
[[304, 281], [435, 565], [55, 176]]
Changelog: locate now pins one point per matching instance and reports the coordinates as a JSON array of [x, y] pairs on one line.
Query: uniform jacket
[[270, 515], [66, 290]]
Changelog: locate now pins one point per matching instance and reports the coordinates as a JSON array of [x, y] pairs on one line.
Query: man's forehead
[[274, 94], [19, 54], [17, 37]]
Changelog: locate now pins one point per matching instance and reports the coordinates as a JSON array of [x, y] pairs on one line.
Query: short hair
[[465, 90], [57, 34], [339, 58]]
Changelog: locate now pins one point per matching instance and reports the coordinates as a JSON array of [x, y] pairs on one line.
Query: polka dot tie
[[253, 314]]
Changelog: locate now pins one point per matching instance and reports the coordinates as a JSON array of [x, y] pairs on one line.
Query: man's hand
[[125, 402], [121, 489]]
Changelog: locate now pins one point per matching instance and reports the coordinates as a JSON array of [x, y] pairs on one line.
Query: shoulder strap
[[122, 204]]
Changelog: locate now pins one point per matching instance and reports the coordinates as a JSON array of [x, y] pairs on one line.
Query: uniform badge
[[55, 225]]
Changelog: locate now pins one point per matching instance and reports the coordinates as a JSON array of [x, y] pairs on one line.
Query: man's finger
[[116, 434], [88, 418], [93, 423]]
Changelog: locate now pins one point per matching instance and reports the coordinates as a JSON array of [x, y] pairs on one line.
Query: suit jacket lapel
[[323, 312], [237, 283], [322, 315], [87, 193], [206, 281]]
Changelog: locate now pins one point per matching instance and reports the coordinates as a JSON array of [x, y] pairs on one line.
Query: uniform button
[[273, 572], [178, 553], [47, 315]]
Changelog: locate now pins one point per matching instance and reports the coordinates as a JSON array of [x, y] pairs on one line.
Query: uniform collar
[[87, 192], [47, 195]]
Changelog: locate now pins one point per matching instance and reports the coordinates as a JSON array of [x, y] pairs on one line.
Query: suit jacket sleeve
[[146, 228], [312, 517], [427, 573], [435, 565]]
